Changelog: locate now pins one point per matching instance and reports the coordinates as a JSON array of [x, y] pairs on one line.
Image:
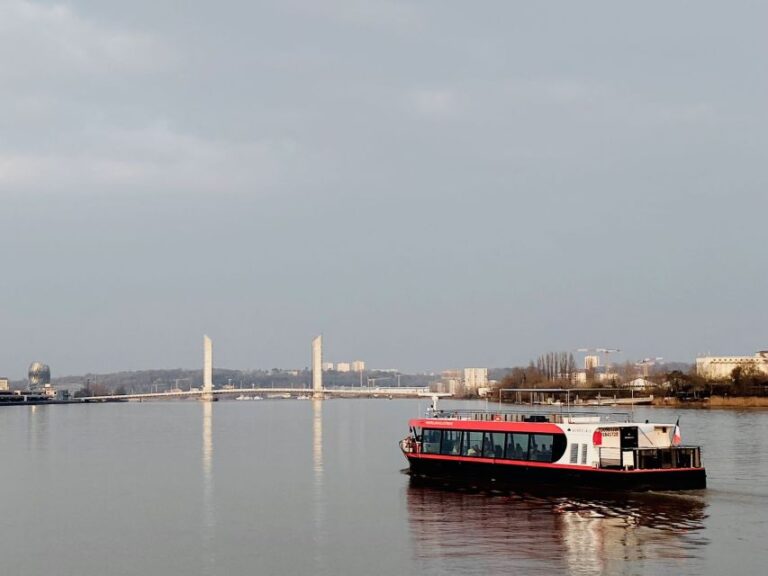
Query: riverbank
[[715, 402]]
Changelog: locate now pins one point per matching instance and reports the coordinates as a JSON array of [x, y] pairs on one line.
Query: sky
[[429, 184]]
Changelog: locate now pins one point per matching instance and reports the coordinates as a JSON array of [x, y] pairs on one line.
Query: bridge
[[377, 392], [208, 393]]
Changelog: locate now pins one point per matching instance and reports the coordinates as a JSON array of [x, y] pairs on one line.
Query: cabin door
[[628, 439]]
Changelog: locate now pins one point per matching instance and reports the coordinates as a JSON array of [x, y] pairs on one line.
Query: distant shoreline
[[715, 402]]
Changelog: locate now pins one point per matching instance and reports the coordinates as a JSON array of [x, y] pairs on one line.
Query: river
[[282, 487]]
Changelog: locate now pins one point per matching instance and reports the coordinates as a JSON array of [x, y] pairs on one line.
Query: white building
[[4, 384], [342, 367], [580, 377], [358, 366], [327, 366], [639, 384], [451, 385], [475, 378], [720, 367]]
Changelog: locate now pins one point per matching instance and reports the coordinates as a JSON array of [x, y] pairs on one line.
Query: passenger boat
[[564, 449]]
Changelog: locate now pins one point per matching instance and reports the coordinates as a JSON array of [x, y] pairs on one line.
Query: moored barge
[[561, 449]]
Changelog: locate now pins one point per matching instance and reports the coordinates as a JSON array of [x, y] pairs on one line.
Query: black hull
[[503, 476]]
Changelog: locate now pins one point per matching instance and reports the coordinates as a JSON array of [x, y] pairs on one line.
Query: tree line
[[552, 368]]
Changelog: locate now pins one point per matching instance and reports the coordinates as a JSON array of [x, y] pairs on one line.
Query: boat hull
[[502, 475]]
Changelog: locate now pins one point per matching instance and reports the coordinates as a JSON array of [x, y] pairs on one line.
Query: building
[[475, 378], [39, 375], [358, 366], [4, 384], [640, 384], [591, 362], [450, 381], [721, 367], [597, 375], [327, 366], [342, 367]]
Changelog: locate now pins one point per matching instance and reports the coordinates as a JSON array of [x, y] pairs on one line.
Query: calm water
[[301, 487]]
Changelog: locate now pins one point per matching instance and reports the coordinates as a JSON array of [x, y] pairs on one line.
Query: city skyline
[[426, 185], [580, 355]]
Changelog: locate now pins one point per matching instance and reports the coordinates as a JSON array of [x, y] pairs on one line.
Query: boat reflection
[[580, 534]]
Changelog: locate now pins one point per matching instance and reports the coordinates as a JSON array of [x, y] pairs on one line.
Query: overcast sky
[[430, 184]]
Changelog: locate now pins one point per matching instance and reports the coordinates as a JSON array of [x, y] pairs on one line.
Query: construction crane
[[604, 351], [645, 362]]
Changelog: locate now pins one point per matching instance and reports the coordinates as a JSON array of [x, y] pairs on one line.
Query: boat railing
[[560, 417], [650, 458]]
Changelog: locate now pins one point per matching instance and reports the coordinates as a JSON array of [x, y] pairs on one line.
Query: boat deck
[[554, 417]]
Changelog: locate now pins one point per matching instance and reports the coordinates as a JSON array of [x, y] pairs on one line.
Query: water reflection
[[207, 459], [319, 504], [580, 535], [37, 427], [317, 441], [602, 535]]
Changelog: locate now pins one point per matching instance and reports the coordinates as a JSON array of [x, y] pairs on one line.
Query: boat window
[[517, 446], [559, 444], [472, 445], [451, 442], [430, 441], [541, 447], [493, 445], [574, 453]]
